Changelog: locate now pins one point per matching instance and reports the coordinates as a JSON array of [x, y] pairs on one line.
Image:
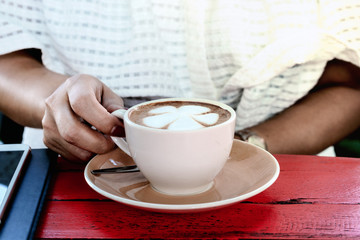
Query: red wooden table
[[314, 197]]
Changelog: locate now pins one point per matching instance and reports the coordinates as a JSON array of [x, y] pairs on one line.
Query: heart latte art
[[174, 115]]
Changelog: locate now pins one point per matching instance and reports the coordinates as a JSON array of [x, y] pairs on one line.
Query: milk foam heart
[[180, 118]]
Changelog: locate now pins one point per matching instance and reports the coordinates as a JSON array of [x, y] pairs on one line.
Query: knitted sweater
[[258, 56]]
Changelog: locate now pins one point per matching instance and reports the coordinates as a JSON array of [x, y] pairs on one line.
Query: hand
[[77, 120]]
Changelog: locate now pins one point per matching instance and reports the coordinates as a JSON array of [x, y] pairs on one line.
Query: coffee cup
[[179, 144]]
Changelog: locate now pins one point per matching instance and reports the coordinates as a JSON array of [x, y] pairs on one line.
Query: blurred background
[[10, 132]]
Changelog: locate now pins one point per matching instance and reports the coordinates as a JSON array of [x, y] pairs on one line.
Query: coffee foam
[[182, 118], [179, 115]]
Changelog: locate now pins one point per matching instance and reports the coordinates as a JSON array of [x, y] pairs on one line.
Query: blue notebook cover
[[24, 211]]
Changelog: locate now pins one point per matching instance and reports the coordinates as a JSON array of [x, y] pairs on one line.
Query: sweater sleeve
[[289, 66], [20, 25]]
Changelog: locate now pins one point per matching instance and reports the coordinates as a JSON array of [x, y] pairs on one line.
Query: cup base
[[184, 192]]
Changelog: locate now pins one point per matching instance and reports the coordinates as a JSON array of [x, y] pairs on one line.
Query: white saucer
[[249, 171]]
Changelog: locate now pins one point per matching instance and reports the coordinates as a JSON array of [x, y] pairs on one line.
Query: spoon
[[124, 169]]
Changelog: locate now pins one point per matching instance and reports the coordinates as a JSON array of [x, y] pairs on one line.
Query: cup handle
[[121, 142]]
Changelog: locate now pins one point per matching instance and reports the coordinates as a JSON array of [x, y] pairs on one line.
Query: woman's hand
[[77, 120]]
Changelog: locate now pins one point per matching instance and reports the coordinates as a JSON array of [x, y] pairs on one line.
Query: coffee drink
[[179, 115], [176, 160]]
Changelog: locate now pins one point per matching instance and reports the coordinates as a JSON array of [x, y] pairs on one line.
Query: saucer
[[248, 171]]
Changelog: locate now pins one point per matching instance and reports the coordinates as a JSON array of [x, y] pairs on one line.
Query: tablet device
[[13, 158]]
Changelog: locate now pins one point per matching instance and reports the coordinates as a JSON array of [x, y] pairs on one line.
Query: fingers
[[75, 120], [54, 140], [66, 150], [92, 103]]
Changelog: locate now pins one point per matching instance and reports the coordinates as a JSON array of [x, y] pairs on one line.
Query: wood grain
[[314, 197]]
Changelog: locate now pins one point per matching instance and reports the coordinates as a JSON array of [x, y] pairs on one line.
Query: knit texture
[[258, 56]]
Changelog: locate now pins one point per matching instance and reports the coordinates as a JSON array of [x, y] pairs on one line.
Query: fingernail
[[117, 131]]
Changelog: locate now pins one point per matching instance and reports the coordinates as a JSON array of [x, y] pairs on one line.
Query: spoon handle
[[124, 169]]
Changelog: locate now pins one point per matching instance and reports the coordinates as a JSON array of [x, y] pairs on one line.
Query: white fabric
[[258, 56], [33, 137], [328, 152]]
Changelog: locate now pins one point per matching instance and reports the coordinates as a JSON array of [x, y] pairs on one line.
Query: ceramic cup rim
[[212, 102]]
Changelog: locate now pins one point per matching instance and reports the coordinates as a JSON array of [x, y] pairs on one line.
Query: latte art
[[178, 134], [178, 115], [183, 118]]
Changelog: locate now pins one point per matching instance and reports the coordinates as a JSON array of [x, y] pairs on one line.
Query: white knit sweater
[[258, 56]]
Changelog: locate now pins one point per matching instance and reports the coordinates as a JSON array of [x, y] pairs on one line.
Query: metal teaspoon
[[124, 169]]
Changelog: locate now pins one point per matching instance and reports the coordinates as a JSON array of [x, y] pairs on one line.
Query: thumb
[[111, 101]]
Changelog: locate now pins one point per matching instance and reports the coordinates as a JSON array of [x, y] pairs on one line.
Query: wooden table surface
[[314, 197]]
